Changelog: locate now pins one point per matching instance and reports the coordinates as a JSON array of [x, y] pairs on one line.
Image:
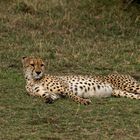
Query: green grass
[[73, 37]]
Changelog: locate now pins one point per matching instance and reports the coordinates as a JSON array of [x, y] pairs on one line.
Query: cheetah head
[[33, 67]]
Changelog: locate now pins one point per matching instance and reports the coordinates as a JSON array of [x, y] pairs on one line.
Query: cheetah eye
[[32, 65], [42, 65]]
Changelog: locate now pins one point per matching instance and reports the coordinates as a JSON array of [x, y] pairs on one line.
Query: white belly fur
[[105, 90]]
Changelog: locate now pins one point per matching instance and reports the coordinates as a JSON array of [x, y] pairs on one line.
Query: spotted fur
[[128, 85], [76, 87], [48, 87]]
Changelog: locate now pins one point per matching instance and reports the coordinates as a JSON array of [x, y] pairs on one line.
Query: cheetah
[[46, 86], [78, 88], [104, 86]]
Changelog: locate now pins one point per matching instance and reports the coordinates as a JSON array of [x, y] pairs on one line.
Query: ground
[[73, 37]]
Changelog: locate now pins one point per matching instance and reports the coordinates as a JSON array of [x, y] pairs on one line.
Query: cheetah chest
[[34, 89]]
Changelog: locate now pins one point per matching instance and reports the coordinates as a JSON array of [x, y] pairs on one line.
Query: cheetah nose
[[38, 72]]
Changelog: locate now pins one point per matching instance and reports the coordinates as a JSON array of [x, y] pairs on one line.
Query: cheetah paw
[[49, 100], [86, 101]]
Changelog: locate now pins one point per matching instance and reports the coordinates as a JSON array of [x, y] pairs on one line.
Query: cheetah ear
[[24, 59]]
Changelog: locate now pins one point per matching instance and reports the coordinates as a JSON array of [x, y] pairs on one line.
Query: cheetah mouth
[[37, 77]]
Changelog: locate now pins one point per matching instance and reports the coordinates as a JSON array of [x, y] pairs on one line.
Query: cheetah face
[[33, 67]]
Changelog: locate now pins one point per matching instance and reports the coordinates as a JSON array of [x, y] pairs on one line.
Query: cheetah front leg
[[39, 91], [76, 98], [50, 97], [79, 99]]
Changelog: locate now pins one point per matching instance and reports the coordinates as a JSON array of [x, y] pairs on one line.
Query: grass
[[73, 37]]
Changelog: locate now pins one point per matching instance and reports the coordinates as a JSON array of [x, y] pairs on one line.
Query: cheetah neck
[[28, 78]]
